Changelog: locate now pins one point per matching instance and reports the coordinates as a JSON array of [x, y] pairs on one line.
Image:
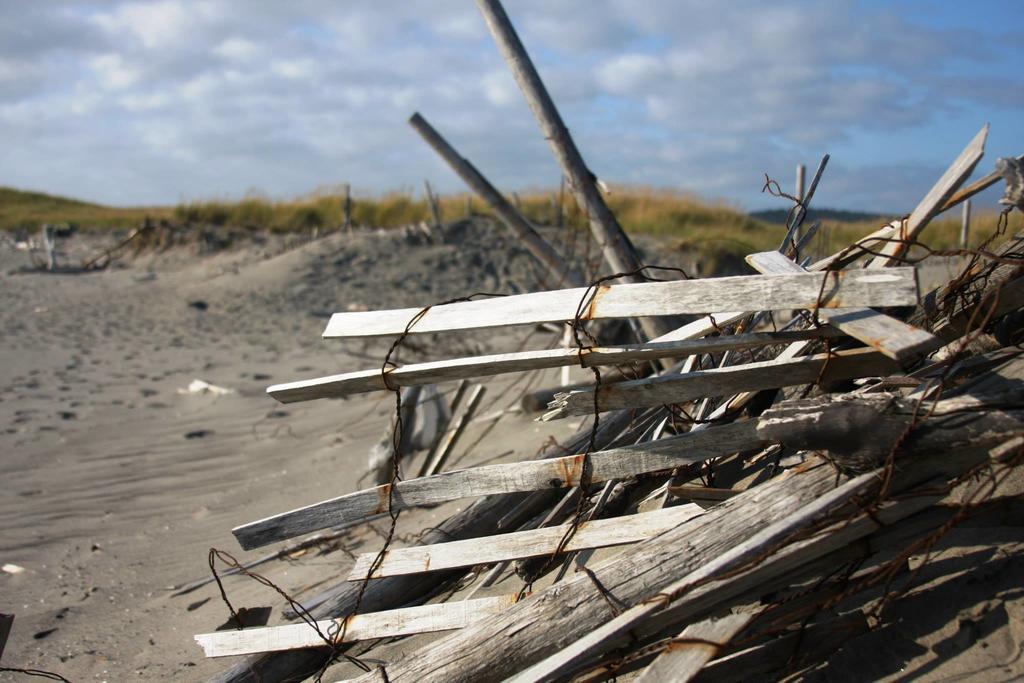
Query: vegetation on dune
[[694, 224], [20, 210]]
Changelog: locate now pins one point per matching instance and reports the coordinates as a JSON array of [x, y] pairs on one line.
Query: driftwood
[[742, 527], [895, 287], [561, 272], [592, 534], [933, 202], [432, 204], [349, 383], [896, 339], [437, 458], [697, 644], [554, 473], [479, 519], [756, 662], [616, 248], [397, 622], [771, 374]]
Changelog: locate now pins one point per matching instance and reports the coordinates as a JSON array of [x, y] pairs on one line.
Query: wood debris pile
[[766, 483]]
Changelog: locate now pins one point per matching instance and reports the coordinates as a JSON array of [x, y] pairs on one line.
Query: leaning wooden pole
[[615, 246], [563, 273]]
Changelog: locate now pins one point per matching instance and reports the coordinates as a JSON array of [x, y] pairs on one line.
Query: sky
[[132, 103]]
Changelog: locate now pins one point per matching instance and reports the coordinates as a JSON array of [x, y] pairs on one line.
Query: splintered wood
[[823, 443]]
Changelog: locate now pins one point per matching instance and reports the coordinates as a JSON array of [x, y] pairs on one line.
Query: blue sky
[[171, 100]]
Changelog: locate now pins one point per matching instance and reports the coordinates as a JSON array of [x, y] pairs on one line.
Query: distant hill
[[778, 216]]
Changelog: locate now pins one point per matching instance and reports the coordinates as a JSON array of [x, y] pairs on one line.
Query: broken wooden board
[[933, 202], [897, 287], [895, 338], [397, 622], [772, 374], [482, 366], [532, 475], [598, 533], [697, 645]]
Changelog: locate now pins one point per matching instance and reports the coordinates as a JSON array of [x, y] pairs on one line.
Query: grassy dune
[[692, 222], [20, 210]]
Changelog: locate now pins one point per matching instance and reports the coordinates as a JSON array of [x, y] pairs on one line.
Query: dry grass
[[694, 224], [29, 210]]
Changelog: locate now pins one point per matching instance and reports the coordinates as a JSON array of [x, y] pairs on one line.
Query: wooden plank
[[533, 475], [699, 644], [818, 640], [771, 374], [540, 248], [708, 590], [541, 625], [615, 246], [896, 287], [702, 492], [482, 517], [437, 461], [397, 622], [934, 201], [348, 383], [895, 338], [598, 533]]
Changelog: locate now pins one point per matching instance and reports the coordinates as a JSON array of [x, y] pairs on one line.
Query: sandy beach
[[117, 480]]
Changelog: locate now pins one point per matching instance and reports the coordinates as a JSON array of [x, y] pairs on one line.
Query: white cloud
[[211, 97], [238, 49], [113, 71], [154, 24]]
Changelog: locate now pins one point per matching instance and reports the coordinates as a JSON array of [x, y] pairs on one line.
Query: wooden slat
[[397, 622], [440, 457], [533, 475], [702, 492], [481, 366], [934, 201], [897, 287], [770, 374], [895, 338], [598, 533], [697, 645]]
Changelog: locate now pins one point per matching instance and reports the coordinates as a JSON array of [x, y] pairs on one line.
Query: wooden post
[[348, 207], [615, 246], [537, 245], [561, 202], [799, 194], [435, 209], [469, 205], [965, 224], [47, 241]]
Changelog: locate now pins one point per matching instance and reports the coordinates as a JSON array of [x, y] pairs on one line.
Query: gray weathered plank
[[681, 661], [616, 248], [896, 287], [770, 374], [397, 622], [934, 201], [561, 272], [556, 473], [433, 372], [895, 338], [598, 533]]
